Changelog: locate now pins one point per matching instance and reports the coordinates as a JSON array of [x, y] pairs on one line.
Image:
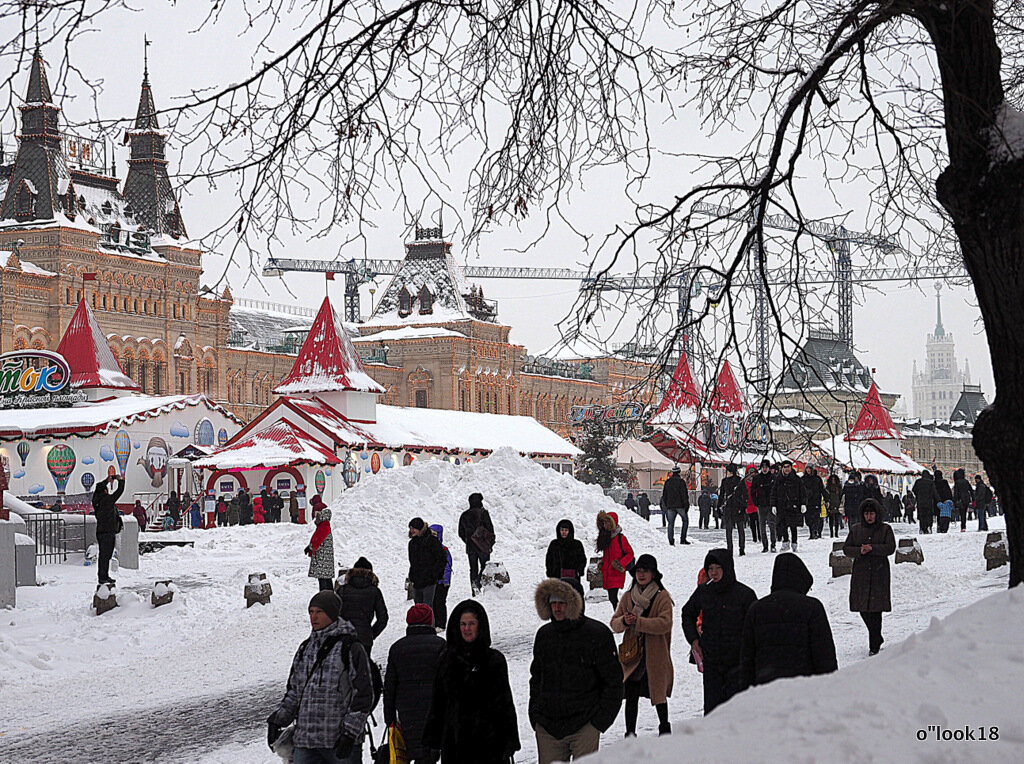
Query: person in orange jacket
[[618, 554]]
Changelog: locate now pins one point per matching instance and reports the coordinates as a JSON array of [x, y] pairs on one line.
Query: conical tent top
[[327, 361], [874, 422], [683, 392], [728, 397], [86, 350]]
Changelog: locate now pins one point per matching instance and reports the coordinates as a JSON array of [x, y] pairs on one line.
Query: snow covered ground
[[193, 681]]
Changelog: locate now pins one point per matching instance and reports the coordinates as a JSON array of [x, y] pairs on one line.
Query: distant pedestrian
[[704, 508], [426, 561], [675, 502], [617, 554], [575, 676], [853, 495], [945, 494], [751, 511], [330, 690], [444, 583], [293, 506], [643, 504], [814, 498], [233, 512], [477, 532], [789, 500], [909, 503], [362, 603], [732, 502], [245, 515], [277, 504], [108, 521], [927, 501], [963, 497], [869, 544], [195, 515], [721, 605], [259, 512], [472, 717], [982, 498], [320, 549], [566, 559], [630, 503], [761, 495], [645, 614], [409, 682], [140, 515], [786, 634], [834, 499], [173, 507]]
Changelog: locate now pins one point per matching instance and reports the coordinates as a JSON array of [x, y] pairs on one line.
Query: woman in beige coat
[[645, 614]]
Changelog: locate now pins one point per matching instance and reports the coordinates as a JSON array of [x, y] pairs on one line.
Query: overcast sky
[[890, 325]]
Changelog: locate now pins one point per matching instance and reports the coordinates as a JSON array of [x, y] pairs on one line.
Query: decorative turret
[[147, 189], [94, 370], [40, 185], [682, 399], [939, 330]]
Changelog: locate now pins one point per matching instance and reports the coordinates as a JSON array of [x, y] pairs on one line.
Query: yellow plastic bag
[[396, 746], [824, 510]]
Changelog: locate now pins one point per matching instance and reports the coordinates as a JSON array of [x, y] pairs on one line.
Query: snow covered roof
[[728, 397], [85, 349], [680, 445], [279, 444], [641, 455], [409, 333], [825, 362], [873, 422], [327, 361], [575, 349], [85, 419], [868, 457], [682, 399]]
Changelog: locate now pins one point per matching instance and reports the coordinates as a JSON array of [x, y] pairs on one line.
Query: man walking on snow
[[675, 501], [477, 531], [789, 500]]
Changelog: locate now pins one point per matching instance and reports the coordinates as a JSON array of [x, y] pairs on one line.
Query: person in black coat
[[927, 501], [704, 508], [732, 502], [427, 560], [477, 551], [853, 495], [786, 633], [870, 544], [566, 558], [789, 502], [362, 602], [244, 507], [814, 495], [409, 681], [873, 491], [982, 498], [675, 502], [575, 676], [108, 522], [472, 717], [761, 495], [173, 506], [722, 604], [643, 504], [963, 497]]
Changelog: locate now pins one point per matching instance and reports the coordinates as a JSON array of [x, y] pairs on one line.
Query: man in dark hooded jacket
[[675, 502], [362, 603], [790, 502], [722, 604], [409, 682], [477, 531], [963, 495], [575, 677], [927, 499], [787, 633], [566, 558], [853, 495]]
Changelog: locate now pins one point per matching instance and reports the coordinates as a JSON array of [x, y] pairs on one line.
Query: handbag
[[284, 746], [629, 650], [396, 746]]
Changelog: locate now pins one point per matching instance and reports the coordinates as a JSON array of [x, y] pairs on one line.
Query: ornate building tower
[[937, 389]]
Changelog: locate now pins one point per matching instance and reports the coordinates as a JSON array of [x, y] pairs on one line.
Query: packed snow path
[[205, 652]]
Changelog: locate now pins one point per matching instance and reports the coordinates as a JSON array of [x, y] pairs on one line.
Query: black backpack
[[376, 680]]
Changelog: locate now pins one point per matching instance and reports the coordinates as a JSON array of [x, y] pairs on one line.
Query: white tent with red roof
[[95, 371]]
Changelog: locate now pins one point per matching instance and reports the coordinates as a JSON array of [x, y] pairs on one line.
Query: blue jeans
[[326, 756], [671, 513], [982, 518]]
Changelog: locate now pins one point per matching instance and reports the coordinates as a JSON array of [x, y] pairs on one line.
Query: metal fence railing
[[50, 534]]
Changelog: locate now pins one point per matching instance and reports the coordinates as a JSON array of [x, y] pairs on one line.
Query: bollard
[[494, 574], [257, 589], [841, 564], [909, 550], [996, 554], [163, 593], [105, 598], [594, 573]]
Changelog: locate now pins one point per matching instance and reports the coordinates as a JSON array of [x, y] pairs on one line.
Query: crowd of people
[[446, 691], [773, 501]]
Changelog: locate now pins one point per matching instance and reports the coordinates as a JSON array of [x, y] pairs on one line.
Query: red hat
[[420, 615]]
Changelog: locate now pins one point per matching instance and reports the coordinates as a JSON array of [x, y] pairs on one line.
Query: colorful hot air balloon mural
[[122, 449], [88, 480], [61, 463], [155, 461], [320, 482], [351, 471], [389, 461], [23, 449], [375, 462]]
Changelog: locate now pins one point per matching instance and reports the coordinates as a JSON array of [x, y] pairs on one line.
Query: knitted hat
[[327, 601], [362, 562], [420, 615], [417, 523]]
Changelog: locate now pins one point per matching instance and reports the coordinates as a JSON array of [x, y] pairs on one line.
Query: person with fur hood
[[320, 549], [472, 717], [645, 614], [362, 603], [566, 558], [575, 676], [617, 554]]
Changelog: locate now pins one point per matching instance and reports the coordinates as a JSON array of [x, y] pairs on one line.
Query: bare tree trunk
[[984, 199]]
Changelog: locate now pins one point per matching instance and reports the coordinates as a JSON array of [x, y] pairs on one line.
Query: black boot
[[664, 728]]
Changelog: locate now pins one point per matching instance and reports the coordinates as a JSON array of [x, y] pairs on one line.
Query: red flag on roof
[[873, 422], [728, 398], [682, 391], [330, 275], [86, 350]]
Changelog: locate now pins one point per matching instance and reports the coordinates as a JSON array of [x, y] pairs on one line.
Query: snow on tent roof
[[682, 393], [873, 422], [728, 398], [327, 361], [279, 444], [85, 349]]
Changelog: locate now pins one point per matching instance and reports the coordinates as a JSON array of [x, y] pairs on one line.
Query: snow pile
[[914, 702]]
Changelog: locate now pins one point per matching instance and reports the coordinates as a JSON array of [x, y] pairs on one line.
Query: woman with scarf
[[320, 549], [617, 554], [869, 544], [645, 614], [565, 558], [472, 717]]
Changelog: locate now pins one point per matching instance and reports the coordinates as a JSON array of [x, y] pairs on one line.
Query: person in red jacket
[[618, 554], [259, 515], [748, 477]]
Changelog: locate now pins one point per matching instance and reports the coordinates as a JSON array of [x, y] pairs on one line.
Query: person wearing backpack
[[617, 554], [330, 691], [444, 583], [477, 531]]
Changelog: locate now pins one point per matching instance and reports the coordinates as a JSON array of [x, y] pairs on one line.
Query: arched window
[[25, 202], [404, 302], [426, 301]]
